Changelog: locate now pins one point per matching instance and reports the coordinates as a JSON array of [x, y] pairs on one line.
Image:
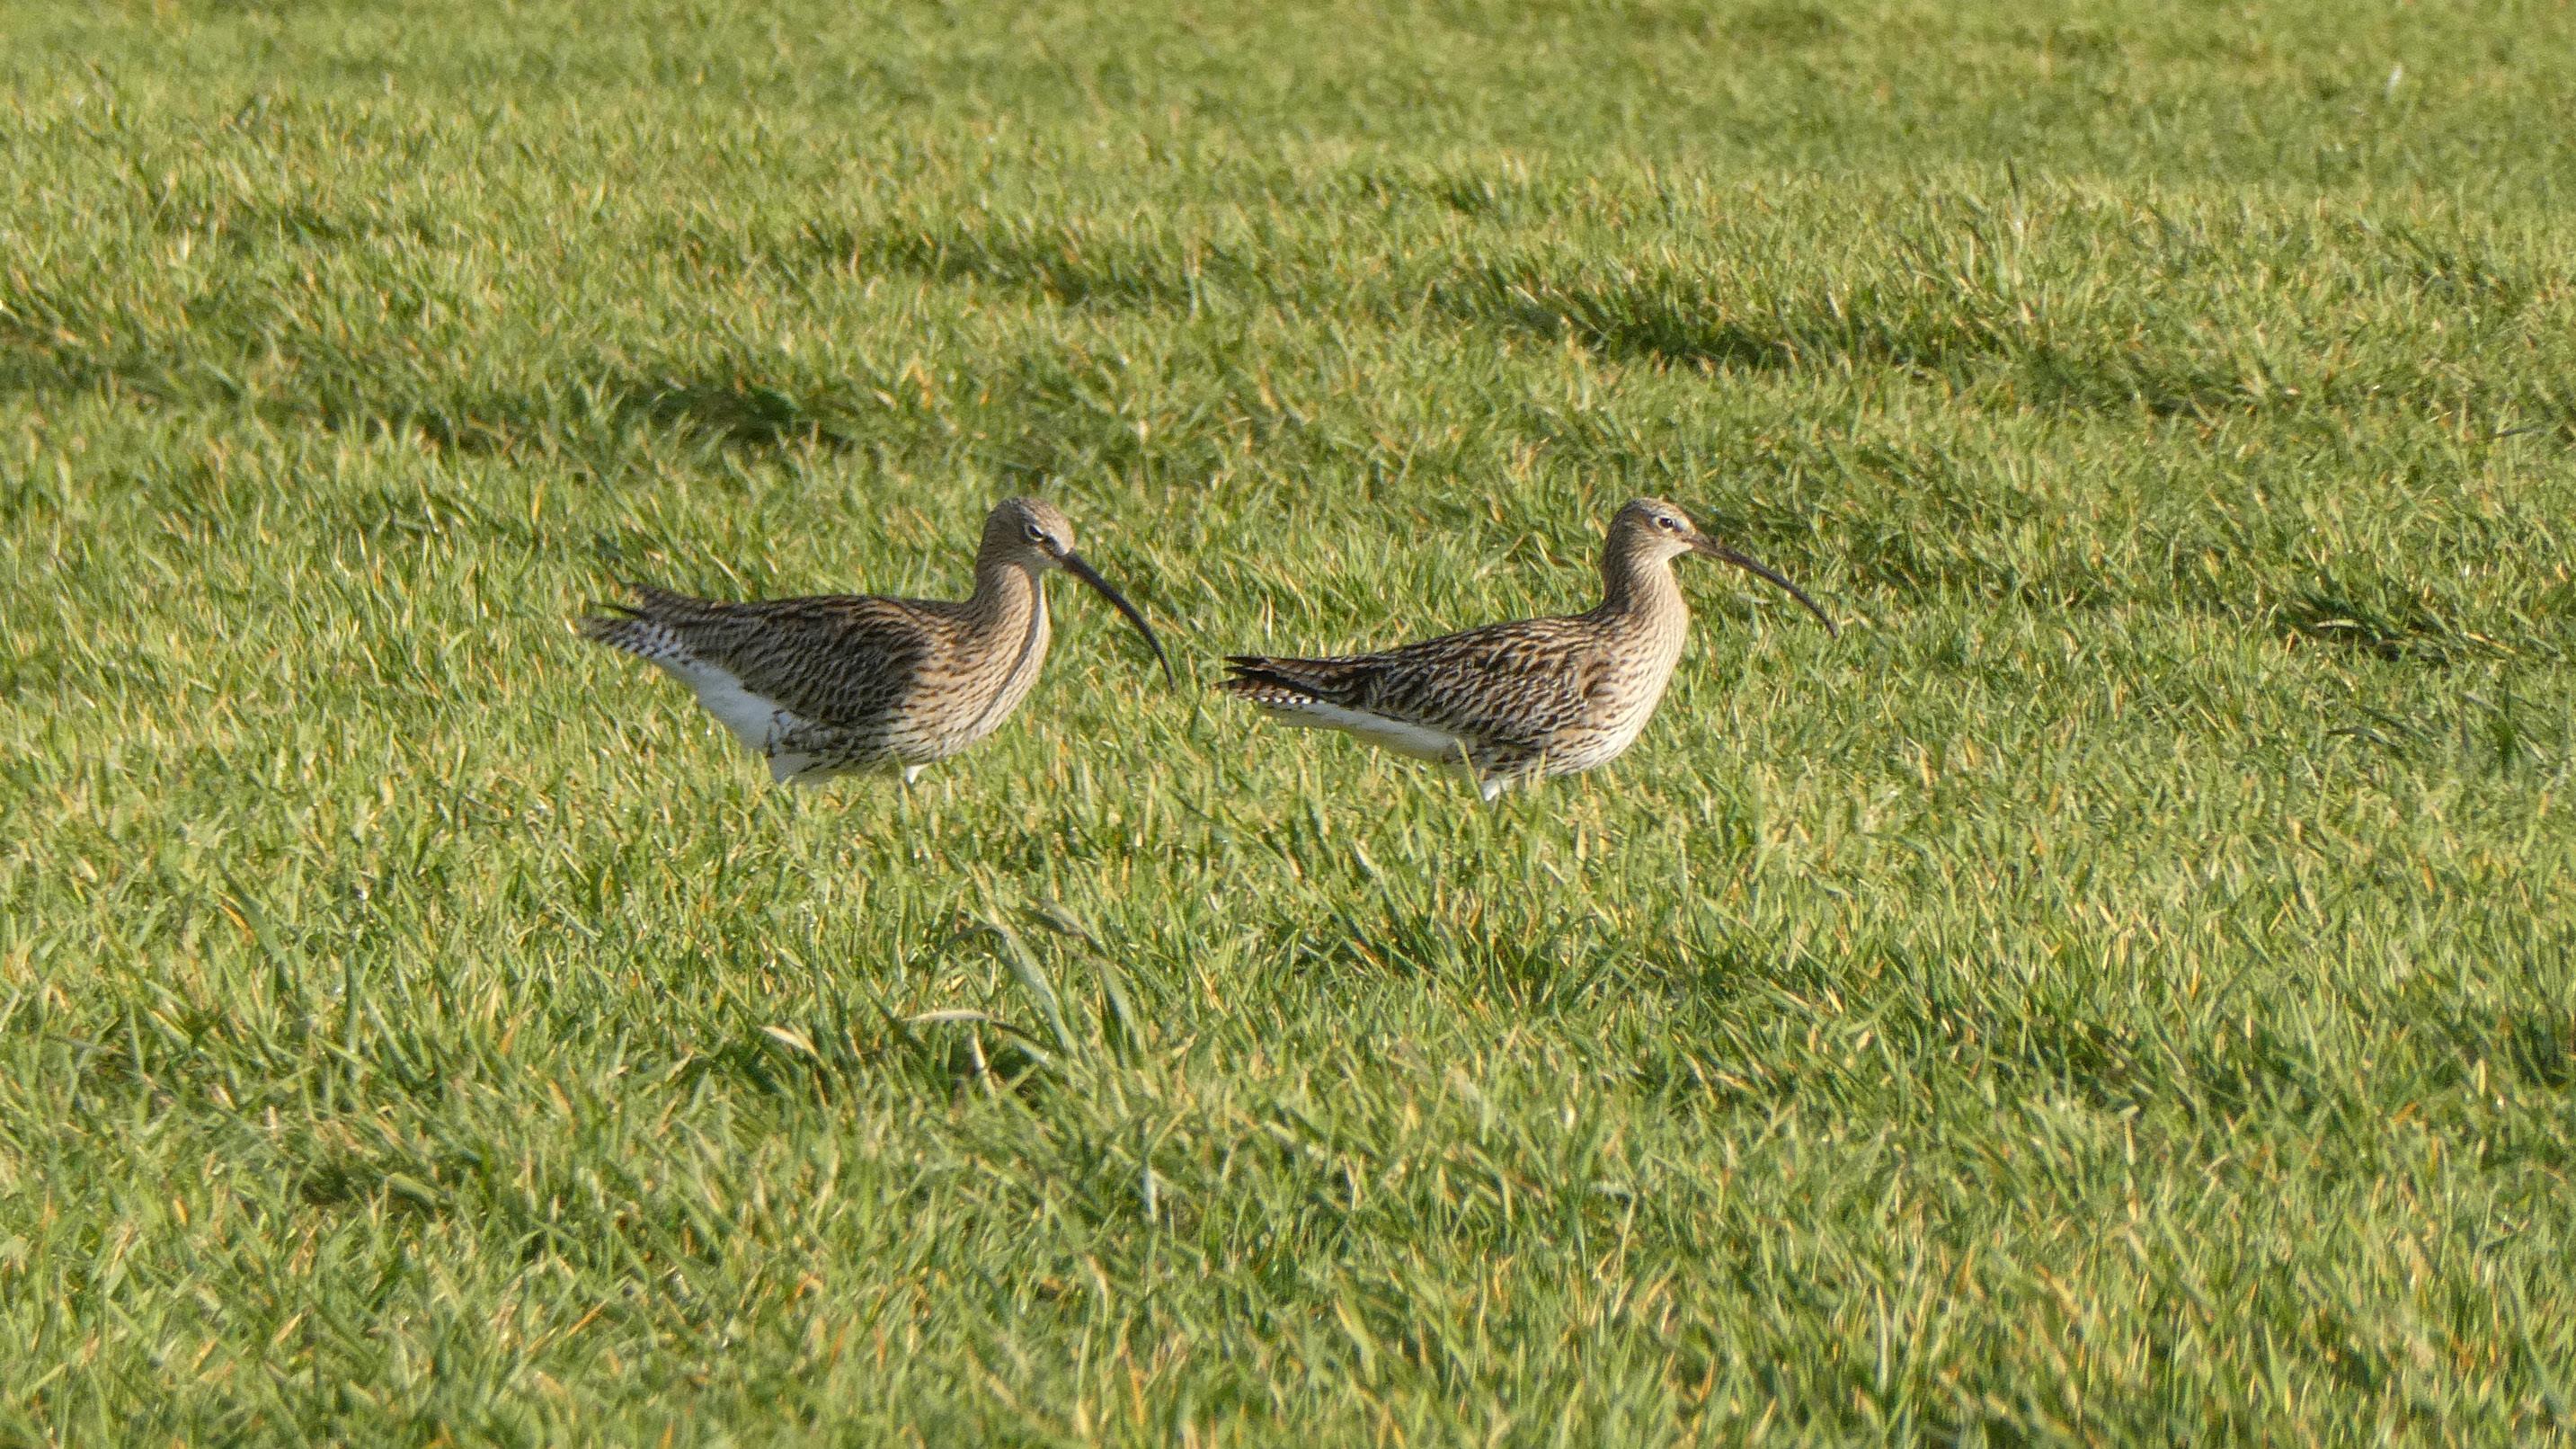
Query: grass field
[[2122, 990]]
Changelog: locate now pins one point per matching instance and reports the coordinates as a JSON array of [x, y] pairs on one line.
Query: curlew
[[1516, 702], [843, 683]]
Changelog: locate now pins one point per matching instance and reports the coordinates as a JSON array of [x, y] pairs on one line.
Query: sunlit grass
[[2121, 990]]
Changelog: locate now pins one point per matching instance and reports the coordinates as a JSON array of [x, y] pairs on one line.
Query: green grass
[[2122, 990]]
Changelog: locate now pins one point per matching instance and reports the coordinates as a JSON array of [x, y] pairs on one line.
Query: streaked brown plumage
[[840, 683], [1518, 701]]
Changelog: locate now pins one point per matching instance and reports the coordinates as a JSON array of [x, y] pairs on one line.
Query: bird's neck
[[1636, 585], [1007, 596]]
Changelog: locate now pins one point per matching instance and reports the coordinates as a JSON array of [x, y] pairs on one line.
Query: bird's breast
[[986, 680]]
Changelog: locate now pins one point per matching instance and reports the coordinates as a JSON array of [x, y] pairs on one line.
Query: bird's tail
[[1265, 679], [631, 627], [1258, 674]]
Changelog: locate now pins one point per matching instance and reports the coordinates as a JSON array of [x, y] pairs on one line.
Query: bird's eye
[[1035, 533], [1666, 523]]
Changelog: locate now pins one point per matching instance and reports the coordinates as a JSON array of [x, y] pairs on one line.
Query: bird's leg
[[1486, 787], [770, 740], [1513, 769], [909, 806]]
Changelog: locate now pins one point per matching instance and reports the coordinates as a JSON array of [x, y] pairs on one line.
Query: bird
[[847, 683], [1516, 702]]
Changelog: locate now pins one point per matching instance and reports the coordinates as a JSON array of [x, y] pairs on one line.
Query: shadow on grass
[[1069, 262], [1660, 317], [1647, 317], [1920, 315], [343, 1182], [2387, 623], [2541, 1048], [736, 411]]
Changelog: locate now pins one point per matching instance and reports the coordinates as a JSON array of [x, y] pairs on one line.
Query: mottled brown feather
[[1531, 697], [833, 683], [840, 660]]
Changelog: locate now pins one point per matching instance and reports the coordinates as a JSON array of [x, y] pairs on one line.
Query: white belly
[[1418, 741], [754, 719]]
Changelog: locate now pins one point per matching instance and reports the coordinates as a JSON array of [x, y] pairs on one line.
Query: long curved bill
[[1717, 550], [1074, 564]]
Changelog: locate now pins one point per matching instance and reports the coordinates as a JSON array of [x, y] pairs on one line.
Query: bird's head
[[1036, 535], [1030, 532], [1651, 531]]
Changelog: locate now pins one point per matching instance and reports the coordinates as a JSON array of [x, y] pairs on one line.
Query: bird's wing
[[835, 660], [1509, 684]]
